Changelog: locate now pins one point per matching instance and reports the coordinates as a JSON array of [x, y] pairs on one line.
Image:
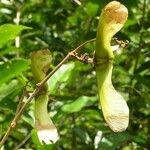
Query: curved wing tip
[[118, 124]]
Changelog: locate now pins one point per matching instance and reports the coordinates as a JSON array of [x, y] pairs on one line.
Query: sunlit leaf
[[78, 104], [9, 32], [11, 69], [61, 76], [8, 93], [111, 141], [91, 8]]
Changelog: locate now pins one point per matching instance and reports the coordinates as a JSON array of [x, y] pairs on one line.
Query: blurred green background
[[60, 26]]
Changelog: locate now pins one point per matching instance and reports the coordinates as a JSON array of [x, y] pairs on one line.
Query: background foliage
[[61, 26]]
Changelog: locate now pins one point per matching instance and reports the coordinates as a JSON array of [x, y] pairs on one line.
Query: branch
[[121, 43], [23, 142], [70, 54], [37, 90], [140, 45], [85, 58]]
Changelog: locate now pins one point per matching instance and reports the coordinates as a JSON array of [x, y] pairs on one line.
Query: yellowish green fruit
[[46, 130], [114, 107]]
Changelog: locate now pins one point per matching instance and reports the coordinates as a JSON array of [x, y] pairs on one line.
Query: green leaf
[[91, 8], [11, 69], [143, 80], [61, 76], [82, 134], [36, 141], [9, 32], [7, 89], [8, 93], [112, 140], [143, 67], [78, 104], [9, 50]]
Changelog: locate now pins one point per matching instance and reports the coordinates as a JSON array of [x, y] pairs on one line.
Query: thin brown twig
[[23, 142], [141, 37], [17, 116], [121, 43], [70, 54], [37, 90], [85, 58]]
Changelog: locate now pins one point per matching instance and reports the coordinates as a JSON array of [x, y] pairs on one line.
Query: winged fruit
[[114, 107], [46, 130]]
